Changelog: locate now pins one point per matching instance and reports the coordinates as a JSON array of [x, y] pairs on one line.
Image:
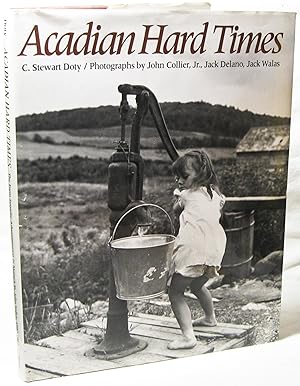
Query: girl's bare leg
[[205, 299], [182, 313]]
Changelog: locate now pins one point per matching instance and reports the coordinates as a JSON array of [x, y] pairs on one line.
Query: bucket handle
[[136, 207]]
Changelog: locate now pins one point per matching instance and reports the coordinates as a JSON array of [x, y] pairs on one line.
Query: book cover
[[99, 103]]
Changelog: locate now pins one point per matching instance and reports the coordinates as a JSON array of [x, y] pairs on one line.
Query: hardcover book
[[102, 107]]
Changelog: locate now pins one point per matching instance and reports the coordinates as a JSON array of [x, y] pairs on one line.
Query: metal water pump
[[125, 188]]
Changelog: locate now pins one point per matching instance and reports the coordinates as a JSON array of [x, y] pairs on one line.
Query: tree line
[[192, 116]]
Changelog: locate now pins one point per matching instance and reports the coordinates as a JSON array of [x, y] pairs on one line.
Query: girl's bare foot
[[182, 343], [205, 322]]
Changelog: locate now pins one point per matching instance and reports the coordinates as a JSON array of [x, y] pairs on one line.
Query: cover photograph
[[147, 158]]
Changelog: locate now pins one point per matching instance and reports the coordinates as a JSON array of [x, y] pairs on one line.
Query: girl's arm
[[178, 203], [177, 207]]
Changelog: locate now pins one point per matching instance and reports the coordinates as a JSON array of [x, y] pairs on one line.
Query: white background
[[270, 364]]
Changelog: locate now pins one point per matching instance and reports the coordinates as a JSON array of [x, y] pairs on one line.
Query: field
[[99, 143], [47, 208], [104, 137], [51, 208], [33, 150], [113, 132]]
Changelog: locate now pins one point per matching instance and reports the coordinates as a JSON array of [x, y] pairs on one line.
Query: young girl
[[200, 243]]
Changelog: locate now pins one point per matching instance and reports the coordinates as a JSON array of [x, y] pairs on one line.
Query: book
[[153, 84]]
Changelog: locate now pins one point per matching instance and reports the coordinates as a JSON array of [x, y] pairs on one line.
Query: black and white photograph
[[148, 154]]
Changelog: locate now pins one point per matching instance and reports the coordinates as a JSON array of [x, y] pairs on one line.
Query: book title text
[[156, 39]]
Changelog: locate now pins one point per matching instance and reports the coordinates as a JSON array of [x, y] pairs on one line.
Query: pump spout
[[157, 115]]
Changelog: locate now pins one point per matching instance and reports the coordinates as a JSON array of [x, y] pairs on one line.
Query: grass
[[41, 321], [48, 208]]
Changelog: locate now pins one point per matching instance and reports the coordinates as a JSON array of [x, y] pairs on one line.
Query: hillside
[[200, 117]]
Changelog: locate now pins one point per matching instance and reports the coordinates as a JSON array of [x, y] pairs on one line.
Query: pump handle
[[136, 207], [157, 116]]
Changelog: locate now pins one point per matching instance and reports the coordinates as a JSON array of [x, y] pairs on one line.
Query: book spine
[[10, 128]]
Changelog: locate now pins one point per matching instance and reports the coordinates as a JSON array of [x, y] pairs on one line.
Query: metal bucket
[[141, 263], [238, 255]]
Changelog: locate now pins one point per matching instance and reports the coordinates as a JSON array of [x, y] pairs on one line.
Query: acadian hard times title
[[155, 39]]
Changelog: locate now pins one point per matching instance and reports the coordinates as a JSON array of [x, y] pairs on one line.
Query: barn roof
[[265, 138]]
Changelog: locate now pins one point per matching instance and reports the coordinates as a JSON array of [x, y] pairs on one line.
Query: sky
[[264, 90]]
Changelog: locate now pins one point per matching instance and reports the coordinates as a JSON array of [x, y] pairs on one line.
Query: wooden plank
[[155, 332], [232, 343], [227, 329], [163, 332], [222, 329], [61, 363], [230, 331], [64, 355], [154, 320], [75, 341], [157, 346], [140, 358], [231, 325], [69, 344], [135, 328], [99, 323], [254, 202], [83, 335], [92, 332], [37, 375]]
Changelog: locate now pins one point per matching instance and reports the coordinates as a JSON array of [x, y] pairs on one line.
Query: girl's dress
[[201, 240]]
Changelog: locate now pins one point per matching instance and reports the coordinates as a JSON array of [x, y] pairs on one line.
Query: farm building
[[262, 161], [268, 146]]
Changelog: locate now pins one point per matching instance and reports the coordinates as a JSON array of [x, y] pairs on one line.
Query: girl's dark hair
[[199, 161]]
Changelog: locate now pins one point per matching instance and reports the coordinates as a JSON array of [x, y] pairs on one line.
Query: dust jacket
[[99, 102]]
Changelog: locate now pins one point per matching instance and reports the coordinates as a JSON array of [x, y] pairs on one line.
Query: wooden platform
[[66, 355]]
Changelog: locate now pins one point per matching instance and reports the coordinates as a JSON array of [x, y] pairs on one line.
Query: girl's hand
[[177, 192], [178, 203]]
